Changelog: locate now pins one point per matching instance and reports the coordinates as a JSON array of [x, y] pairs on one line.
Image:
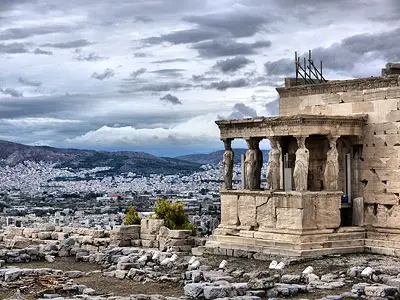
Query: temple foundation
[[284, 223]]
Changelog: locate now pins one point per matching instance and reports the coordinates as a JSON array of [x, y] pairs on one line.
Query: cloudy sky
[[154, 75]]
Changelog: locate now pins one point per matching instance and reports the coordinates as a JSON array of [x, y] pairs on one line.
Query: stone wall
[[85, 238], [243, 212], [150, 234], [376, 158]]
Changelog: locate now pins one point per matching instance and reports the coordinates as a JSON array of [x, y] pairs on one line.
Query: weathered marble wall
[[243, 210], [378, 178], [318, 147]]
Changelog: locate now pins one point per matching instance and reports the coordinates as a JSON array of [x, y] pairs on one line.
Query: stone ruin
[[150, 234], [333, 176]]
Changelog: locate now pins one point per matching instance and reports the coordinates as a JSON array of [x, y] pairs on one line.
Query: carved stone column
[[227, 163], [331, 173], [300, 172], [274, 164], [253, 164]]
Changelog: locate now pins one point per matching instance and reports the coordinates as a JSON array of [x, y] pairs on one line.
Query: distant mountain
[[120, 161], [216, 157]]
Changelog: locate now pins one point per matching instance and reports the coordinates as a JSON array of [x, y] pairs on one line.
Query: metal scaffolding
[[308, 71]]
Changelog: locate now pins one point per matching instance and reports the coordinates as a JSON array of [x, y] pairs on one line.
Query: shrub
[[132, 217], [173, 215]]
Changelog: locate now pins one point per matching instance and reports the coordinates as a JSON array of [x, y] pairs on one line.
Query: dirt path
[[96, 281]]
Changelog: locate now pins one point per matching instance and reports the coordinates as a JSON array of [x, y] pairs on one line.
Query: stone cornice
[[292, 125], [336, 86], [295, 120]]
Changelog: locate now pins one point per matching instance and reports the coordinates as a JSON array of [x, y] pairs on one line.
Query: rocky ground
[[134, 273]]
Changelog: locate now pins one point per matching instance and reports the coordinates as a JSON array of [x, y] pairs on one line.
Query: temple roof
[[335, 86], [296, 125]]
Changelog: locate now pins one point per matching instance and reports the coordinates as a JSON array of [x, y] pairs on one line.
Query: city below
[[44, 191]]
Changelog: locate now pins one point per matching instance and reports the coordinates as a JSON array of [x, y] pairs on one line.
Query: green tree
[[132, 217], [173, 215]]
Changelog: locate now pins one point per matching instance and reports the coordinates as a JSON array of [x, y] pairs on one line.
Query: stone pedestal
[[149, 231], [124, 235], [258, 210], [284, 223]]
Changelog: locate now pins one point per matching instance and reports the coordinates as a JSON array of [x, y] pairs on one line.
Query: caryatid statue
[[253, 164], [227, 163], [300, 172], [331, 173], [274, 165]]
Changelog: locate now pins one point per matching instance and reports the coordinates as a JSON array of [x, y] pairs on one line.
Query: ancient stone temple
[[333, 176]]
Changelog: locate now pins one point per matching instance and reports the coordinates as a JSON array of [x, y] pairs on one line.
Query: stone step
[[384, 237], [382, 251], [351, 229], [382, 243], [332, 244], [301, 237], [280, 247], [227, 249], [340, 236], [335, 240], [256, 243], [330, 251]]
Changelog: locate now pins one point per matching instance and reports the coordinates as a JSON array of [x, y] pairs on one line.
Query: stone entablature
[[335, 86], [298, 125]]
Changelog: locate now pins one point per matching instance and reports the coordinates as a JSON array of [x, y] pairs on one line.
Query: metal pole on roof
[[297, 68]]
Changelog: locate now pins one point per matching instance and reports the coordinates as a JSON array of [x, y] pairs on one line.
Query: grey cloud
[[108, 73], [232, 64], [108, 11], [227, 47], [13, 48], [52, 131], [201, 78], [171, 99], [169, 72], [12, 92], [138, 72], [163, 87], [241, 110], [22, 33], [89, 57], [273, 107], [75, 107], [56, 106], [29, 82], [9, 4], [69, 44], [39, 51], [386, 43], [322, 13], [165, 61], [187, 36], [284, 66], [140, 54], [345, 55], [238, 24], [143, 19], [227, 84]]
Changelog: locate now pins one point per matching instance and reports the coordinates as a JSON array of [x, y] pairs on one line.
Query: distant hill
[[216, 157], [121, 161]]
